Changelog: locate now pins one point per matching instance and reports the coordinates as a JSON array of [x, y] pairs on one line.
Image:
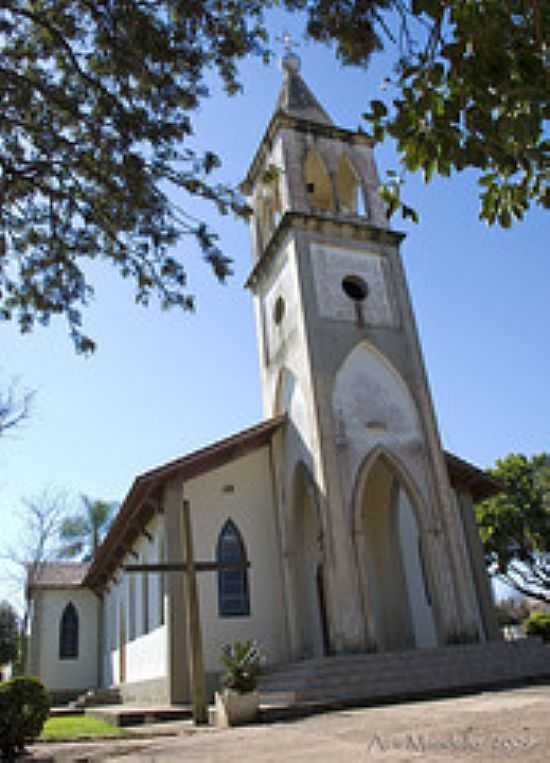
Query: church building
[[354, 528]]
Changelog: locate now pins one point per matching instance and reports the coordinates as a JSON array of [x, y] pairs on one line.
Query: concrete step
[[130, 715], [412, 673]]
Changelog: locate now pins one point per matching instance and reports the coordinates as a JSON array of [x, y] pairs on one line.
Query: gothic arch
[[349, 190], [403, 476], [69, 633], [317, 181], [398, 582], [286, 381], [269, 209], [233, 586], [364, 344], [373, 401]]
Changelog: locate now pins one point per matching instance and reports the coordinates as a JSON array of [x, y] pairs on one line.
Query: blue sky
[[162, 384]]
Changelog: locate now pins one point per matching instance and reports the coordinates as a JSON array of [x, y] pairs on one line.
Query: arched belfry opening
[[311, 634], [269, 208], [391, 552], [349, 189], [317, 181]]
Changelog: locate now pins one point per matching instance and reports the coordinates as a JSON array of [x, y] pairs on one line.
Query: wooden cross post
[[191, 603], [198, 681]]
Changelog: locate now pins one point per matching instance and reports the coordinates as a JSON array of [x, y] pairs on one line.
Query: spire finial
[[290, 61]]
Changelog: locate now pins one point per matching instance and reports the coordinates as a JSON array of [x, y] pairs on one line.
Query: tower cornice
[[282, 119], [325, 224]]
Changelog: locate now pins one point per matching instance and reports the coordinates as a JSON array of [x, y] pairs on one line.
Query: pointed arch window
[[233, 597], [68, 633], [318, 183]]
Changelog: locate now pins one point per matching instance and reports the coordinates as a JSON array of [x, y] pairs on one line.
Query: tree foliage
[[538, 624], [81, 534], [9, 633], [95, 111], [96, 106], [472, 92], [515, 525]]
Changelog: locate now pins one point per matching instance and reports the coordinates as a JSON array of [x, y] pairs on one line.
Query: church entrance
[[309, 595], [391, 559]]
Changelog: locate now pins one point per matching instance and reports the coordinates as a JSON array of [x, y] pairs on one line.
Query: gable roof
[[57, 574], [141, 503]]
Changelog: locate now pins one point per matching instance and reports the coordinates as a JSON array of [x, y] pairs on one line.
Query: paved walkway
[[492, 726]]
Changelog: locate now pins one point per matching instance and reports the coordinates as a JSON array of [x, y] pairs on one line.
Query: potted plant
[[238, 701]]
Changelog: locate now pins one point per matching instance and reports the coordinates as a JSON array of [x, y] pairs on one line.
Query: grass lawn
[[75, 726]]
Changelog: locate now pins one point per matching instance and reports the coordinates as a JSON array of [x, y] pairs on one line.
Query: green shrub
[[242, 661], [24, 708], [538, 624]]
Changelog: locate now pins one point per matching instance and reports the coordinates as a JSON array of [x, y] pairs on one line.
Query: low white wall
[[146, 647], [146, 656], [72, 673]]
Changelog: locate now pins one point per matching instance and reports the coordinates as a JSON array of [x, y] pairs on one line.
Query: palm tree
[[82, 533]]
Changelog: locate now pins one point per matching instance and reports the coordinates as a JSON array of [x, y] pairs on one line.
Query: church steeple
[[339, 354], [295, 97], [305, 165]]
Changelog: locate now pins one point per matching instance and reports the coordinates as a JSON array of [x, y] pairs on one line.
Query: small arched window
[[233, 598], [68, 633]]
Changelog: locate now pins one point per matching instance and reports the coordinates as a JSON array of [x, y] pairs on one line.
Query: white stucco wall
[[77, 673], [331, 265], [250, 505], [373, 407]]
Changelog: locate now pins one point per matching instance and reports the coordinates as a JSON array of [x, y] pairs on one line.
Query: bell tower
[[369, 532]]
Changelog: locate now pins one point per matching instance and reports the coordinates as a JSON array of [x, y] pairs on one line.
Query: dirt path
[[493, 726]]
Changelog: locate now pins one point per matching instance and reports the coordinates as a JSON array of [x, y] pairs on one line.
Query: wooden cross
[[190, 568]]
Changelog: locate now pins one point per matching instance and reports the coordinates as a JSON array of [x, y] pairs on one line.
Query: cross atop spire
[[295, 97], [290, 61]]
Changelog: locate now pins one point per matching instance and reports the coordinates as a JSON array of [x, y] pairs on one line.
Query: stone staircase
[[368, 678], [96, 698]]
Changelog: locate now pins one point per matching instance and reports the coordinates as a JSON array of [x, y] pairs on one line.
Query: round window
[[355, 288], [279, 310]]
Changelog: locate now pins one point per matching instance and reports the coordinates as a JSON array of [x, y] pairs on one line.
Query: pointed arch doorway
[[311, 630], [397, 589]]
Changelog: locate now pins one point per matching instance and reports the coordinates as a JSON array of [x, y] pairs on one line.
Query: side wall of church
[[75, 673], [241, 491], [479, 580]]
